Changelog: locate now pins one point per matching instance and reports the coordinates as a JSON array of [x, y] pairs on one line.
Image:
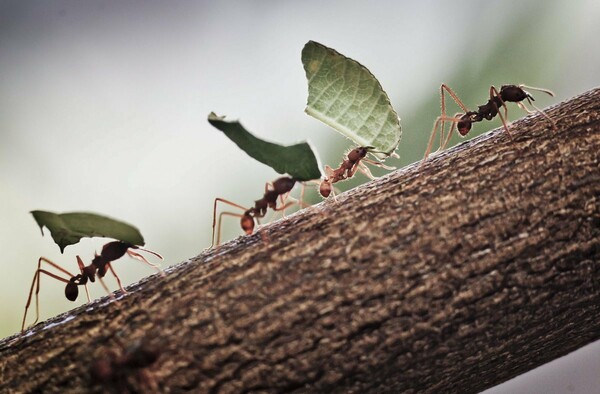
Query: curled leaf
[[343, 94], [68, 228], [299, 161]]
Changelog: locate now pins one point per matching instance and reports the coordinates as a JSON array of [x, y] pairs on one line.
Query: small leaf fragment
[[68, 228], [346, 96], [299, 161]]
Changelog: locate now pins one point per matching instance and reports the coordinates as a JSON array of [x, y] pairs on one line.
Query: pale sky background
[[103, 108]]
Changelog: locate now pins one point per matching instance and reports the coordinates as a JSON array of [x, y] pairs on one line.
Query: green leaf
[[343, 94], [298, 161], [68, 228]]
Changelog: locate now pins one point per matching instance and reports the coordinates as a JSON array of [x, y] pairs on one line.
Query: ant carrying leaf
[[299, 161], [345, 95], [67, 229]]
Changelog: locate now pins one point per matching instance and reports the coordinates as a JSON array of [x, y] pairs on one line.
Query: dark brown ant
[[113, 368], [353, 162], [277, 189], [100, 264], [488, 111]]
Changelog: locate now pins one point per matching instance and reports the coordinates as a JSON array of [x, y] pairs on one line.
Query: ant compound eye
[[247, 223], [71, 291]]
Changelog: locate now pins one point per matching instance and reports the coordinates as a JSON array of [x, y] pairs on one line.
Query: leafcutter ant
[[114, 368], [353, 162], [464, 121], [98, 267], [277, 189]]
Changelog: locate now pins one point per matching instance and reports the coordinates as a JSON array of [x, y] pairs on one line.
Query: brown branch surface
[[453, 277]]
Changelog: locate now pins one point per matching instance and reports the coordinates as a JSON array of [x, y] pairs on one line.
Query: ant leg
[[365, 170], [226, 213], [36, 283], [117, 278], [81, 267], [215, 217], [455, 121], [494, 91], [538, 110], [301, 200], [110, 294], [287, 205], [439, 119], [524, 108], [454, 97], [378, 164], [283, 198], [431, 137], [443, 105]]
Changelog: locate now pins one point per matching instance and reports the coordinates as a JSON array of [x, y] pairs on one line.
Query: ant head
[[71, 290], [325, 188], [514, 94], [115, 250], [247, 223], [359, 153]]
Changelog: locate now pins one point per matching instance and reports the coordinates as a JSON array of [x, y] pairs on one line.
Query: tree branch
[[455, 276]]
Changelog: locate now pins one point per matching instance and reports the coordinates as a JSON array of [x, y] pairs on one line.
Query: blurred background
[[103, 108]]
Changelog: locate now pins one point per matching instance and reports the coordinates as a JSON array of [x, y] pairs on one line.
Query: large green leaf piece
[[68, 228], [298, 161], [343, 94]]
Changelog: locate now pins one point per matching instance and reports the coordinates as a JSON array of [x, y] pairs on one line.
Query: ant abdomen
[[71, 291], [325, 188], [247, 223], [464, 125]]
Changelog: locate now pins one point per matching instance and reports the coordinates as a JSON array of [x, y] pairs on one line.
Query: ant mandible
[[464, 121], [100, 264], [278, 188], [353, 162]]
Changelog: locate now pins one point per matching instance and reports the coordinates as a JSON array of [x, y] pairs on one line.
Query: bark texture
[[451, 277]]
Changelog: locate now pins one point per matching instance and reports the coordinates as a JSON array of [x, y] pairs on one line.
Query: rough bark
[[455, 276]]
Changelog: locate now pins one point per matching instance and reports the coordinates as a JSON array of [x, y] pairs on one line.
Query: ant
[[353, 162], [100, 264], [464, 121], [113, 368], [277, 189]]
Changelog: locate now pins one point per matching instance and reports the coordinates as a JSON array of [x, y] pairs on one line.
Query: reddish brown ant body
[[353, 162], [277, 189], [98, 267], [488, 111], [113, 368]]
